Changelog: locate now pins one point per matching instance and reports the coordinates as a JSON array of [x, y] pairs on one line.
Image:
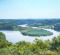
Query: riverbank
[[16, 36]]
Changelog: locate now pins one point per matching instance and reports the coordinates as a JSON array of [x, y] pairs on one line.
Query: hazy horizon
[[29, 18]]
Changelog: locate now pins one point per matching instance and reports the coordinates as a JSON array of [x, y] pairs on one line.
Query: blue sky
[[29, 9]]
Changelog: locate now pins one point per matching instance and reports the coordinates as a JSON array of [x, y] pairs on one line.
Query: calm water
[[16, 36]]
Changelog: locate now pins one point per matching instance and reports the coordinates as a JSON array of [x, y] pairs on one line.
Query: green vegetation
[[7, 26], [57, 27], [12, 24], [3, 41], [2, 36], [38, 47], [35, 32]]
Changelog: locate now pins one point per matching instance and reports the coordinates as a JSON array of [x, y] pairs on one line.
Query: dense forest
[[38, 47], [12, 24]]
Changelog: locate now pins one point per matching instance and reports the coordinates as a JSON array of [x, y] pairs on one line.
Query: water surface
[[16, 36]]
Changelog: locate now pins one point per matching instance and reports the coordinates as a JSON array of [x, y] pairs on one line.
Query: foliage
[[35, 32], [38, 47], [3, 41], [12, 24]]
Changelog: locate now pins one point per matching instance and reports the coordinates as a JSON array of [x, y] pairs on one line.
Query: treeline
[[7, 26], [57, 27], [10, 24], [38, 47]]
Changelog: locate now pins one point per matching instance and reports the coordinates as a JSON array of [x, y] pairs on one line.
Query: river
[[16, 36]]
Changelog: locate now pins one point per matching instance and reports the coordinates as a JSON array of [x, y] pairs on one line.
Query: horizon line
[[29, 18]]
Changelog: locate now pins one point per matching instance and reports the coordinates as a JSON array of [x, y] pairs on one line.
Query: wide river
[[16, 36]]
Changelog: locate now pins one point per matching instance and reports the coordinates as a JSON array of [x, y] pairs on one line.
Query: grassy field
[[36, 32]]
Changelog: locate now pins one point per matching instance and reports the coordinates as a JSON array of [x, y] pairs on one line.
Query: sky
[[18, 9]]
